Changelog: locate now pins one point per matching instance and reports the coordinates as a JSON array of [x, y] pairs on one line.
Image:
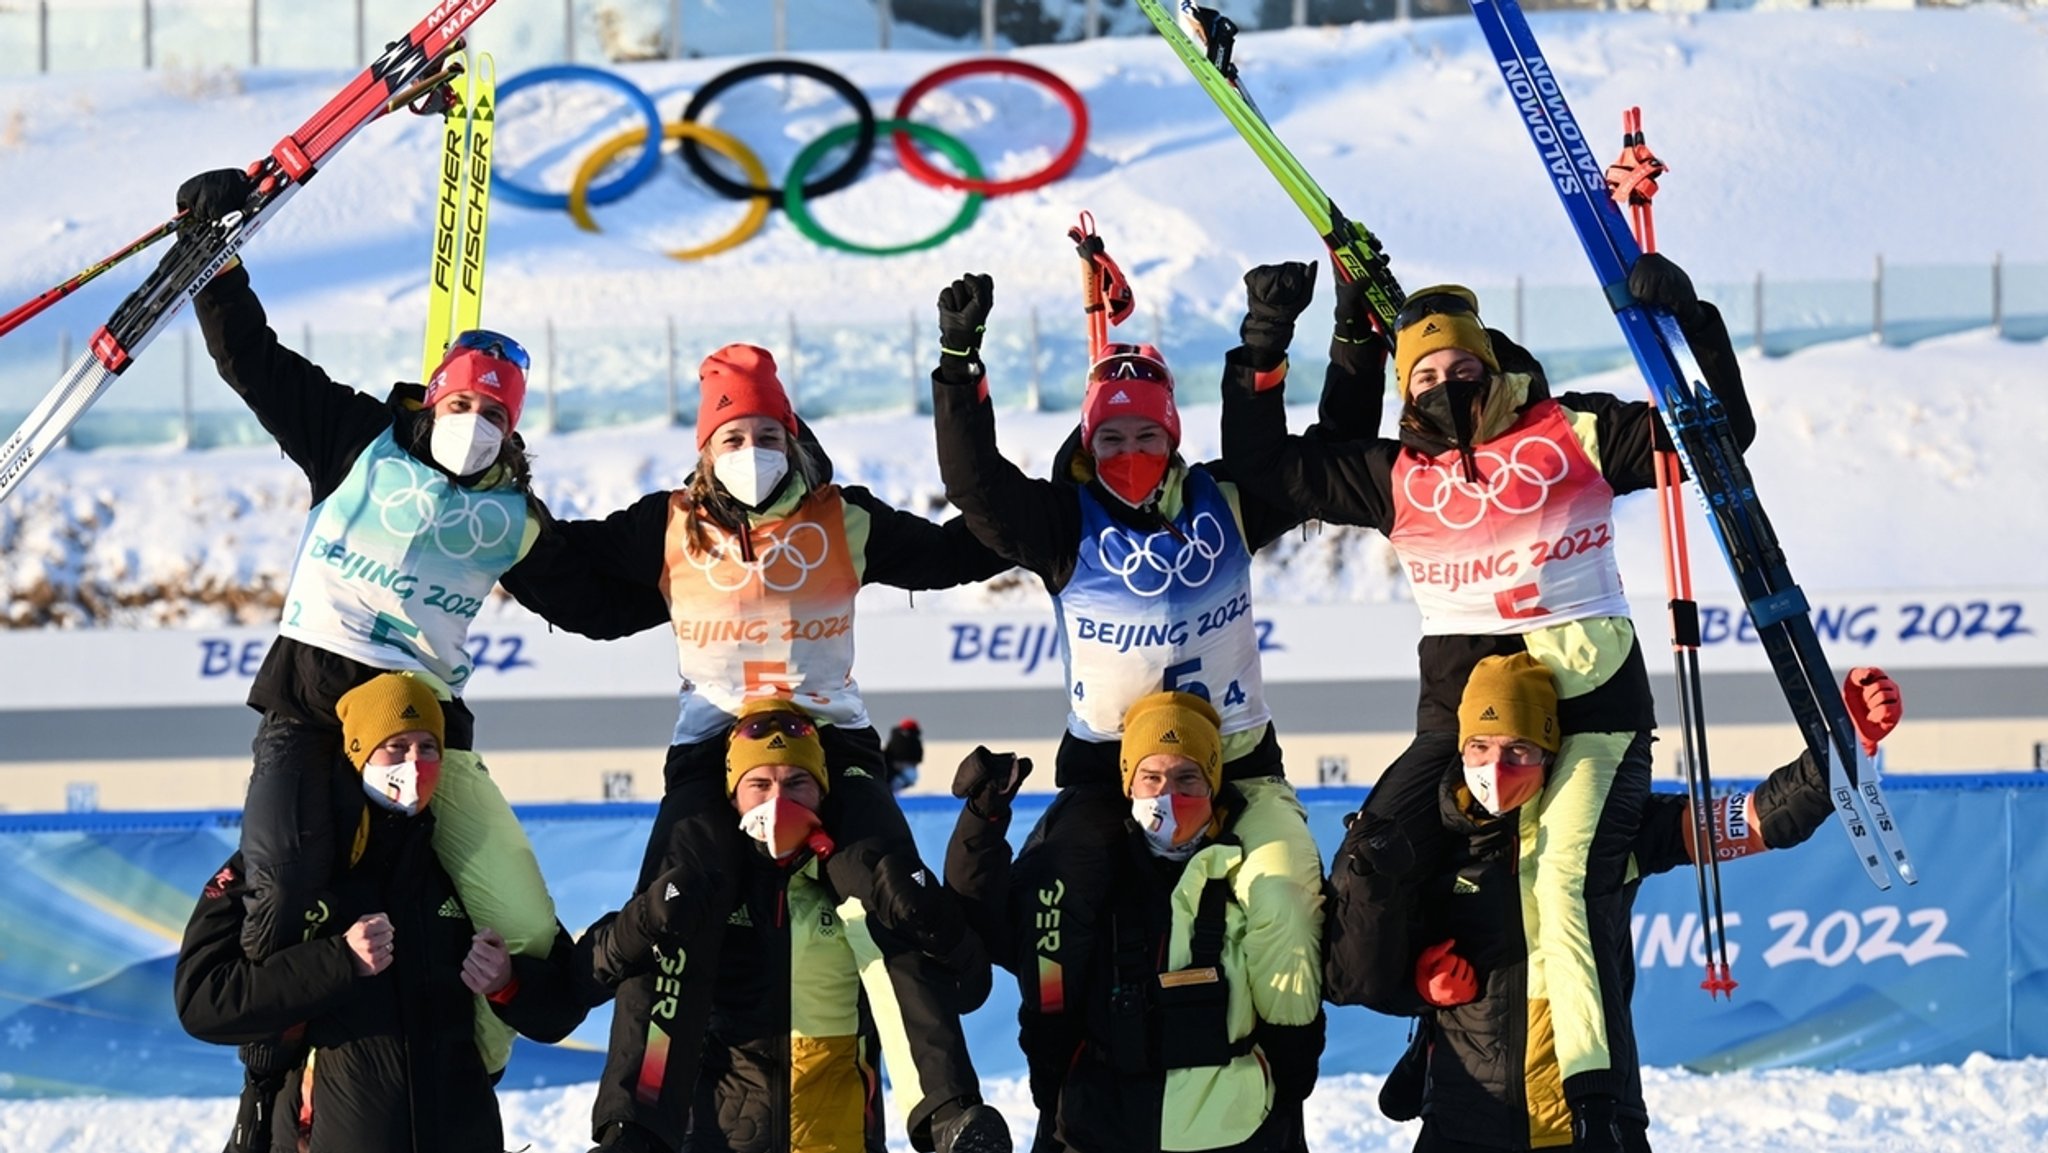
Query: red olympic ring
[[914, 162]]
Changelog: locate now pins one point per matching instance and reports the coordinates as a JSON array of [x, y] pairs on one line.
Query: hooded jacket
[[395, 1065]]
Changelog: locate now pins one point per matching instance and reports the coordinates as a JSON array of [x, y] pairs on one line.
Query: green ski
[[1203, 40]]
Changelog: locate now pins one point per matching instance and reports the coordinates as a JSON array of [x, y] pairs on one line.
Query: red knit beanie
[[1129, 380], [470, 370], [739, 380]]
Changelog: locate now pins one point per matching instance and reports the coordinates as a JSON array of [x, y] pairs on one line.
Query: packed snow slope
[[1803, 143]]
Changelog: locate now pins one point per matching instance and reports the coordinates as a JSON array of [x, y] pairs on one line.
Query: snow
[[1803, 143], [1978, 1105]]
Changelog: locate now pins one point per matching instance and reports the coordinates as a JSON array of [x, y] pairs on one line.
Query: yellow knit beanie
[[1438, 329], [1180, 723], [1511, 696], [781, 734], [382, 707]]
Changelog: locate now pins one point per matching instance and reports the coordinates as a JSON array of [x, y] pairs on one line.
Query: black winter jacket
[[395, 1063]]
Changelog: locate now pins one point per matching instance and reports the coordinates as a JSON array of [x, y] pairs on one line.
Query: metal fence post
[[1521, 332], [988, 25], [675, 29], [185, 408], [916, 377], [362, 37], [255, 33], [675, 409], [1998, 293], [885, 18], [1877, 302], [1091, 19], [548, 351], [306, 346], [781, 26], [148, 36], [1036, 400], [1300, 12], [1758, 323], [791, 376], [569, 31]]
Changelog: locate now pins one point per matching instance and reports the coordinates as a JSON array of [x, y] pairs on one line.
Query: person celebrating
[[804, 1004], [392, 970], [754, 565], [1498, 499], [1171, 1050], [1148, 562]]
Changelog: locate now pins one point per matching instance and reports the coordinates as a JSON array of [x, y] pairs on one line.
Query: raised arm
[[1030, 522]]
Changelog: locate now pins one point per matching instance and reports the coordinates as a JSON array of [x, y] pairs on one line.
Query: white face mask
[[404, 787], [465, 443], [1174, 826], [751, 473]]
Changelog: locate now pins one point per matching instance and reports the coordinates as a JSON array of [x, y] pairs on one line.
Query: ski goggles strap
[[495, 344]]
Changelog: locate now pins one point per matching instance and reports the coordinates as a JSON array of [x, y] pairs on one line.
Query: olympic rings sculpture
[[799, 188]]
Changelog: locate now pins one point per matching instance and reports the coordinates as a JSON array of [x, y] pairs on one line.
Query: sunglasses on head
[[789, 724], [1432, 304], [1127, 363], [493, 344]]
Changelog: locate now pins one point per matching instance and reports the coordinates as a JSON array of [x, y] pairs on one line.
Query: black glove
[[1356, 322], [1274, 295], [963, 313], [909, 899], [1656, 281], [662, 918], [1294, 1052], [1596, 1124], [988, 781], [209, 196], [1377, 845]]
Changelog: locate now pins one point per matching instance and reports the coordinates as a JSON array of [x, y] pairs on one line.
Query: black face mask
[[1447, 409]]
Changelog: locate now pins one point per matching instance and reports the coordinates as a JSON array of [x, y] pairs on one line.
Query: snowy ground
[[1976, 1107]]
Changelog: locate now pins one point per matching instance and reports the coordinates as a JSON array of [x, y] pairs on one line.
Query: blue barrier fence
[[1833, 973]]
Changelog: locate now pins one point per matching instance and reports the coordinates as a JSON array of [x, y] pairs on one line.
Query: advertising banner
[[1833, 973]]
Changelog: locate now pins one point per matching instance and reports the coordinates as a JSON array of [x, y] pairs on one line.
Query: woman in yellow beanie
[[1171, 1049], [1498, 500]]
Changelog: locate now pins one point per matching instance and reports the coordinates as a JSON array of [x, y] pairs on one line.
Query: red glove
[[1874, 704], [1444, 978]]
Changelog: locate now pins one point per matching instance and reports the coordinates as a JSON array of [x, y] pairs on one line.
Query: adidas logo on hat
[[776, 742], [1121, 397], [490, 378], [1169, 737], [1431, 327], [410, 714], [724, 401], [1489, 714], [451, 908]]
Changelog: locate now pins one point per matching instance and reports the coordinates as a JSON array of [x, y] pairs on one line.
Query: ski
[[455, 274], [27, 310], [406, 67], [1204, 40], [1698, 426]]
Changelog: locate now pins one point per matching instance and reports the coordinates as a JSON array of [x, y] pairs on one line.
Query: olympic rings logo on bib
[[781, 563], [1510, 483], [798, 187], [413, 499], [1149, 573]]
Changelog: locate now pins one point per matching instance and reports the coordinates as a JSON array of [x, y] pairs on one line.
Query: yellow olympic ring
[[720, 142]]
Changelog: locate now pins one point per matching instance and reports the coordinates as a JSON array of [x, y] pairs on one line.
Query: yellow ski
[[481, 103], [442, 267]]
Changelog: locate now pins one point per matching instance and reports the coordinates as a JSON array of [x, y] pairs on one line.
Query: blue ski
[[1777, 605]]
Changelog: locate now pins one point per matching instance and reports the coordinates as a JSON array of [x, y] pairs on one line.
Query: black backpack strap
[[1205, 941]]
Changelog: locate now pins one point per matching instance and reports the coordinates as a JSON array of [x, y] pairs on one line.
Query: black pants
[[303, 799], [658, 1020]]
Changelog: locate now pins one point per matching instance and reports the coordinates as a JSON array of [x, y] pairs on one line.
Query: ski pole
[[1632, 180], [22, 314], [1105, 293]]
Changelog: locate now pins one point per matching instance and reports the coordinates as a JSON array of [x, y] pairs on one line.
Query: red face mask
[[1133, 476]]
